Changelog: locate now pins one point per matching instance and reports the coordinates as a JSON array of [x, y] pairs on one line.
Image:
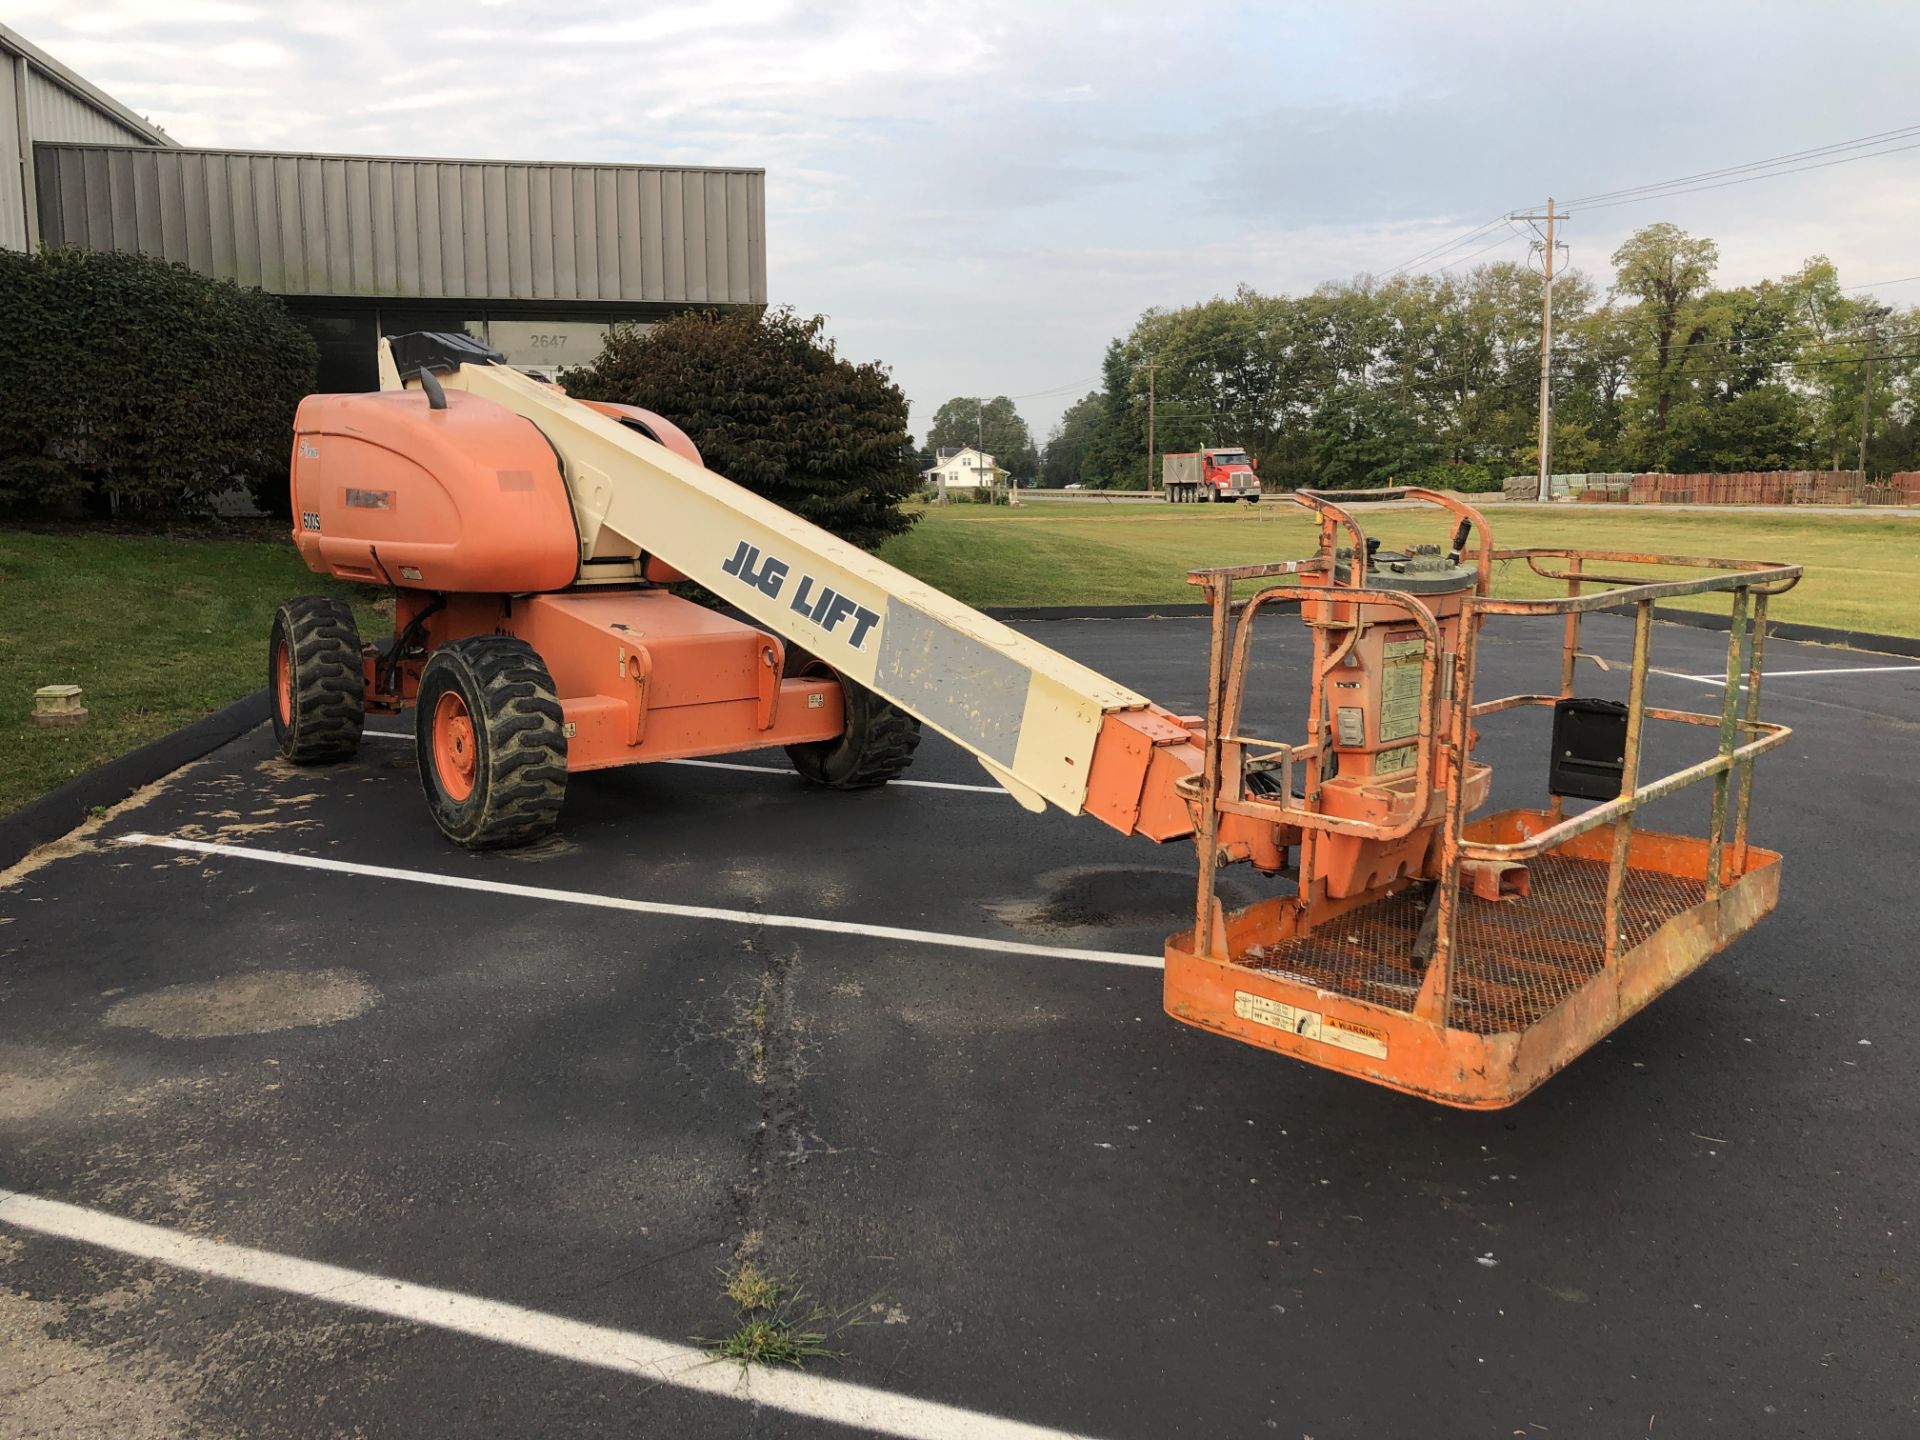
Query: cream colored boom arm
[[1029, 714]]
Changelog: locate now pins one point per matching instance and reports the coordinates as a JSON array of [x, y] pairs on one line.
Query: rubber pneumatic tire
[[491, 743], [316, 686], [876, 746]]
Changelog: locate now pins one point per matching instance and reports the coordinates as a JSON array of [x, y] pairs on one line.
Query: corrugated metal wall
[[342, 225], [40, 99], [13, 195], [56, 113]]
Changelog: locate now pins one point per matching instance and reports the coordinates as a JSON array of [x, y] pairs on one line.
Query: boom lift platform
[[531, 538]]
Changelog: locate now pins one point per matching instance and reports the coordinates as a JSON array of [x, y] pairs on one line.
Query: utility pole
[[1546, 350], [1866, 404], [980, 443], [1150, 425], [1866, 383]]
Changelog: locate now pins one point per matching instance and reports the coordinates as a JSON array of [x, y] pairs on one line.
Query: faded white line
[[662, 1362], [645, 907], [1721, 678], [1676, 675], [754, 769], [784, 770]]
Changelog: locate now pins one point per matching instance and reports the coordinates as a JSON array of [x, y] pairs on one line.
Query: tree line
[[1434, 379]]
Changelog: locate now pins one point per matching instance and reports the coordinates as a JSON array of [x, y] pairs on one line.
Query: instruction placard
[[1400, 689], [1311, 1024], [1392, 762]]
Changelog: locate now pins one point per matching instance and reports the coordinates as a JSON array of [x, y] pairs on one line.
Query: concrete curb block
[[59, 811]]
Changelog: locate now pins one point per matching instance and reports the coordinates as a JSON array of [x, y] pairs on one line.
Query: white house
[[962, 469]]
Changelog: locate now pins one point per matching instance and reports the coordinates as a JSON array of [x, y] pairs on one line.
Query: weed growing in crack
[[751, 1289], [779, 1324], [768, 1340]]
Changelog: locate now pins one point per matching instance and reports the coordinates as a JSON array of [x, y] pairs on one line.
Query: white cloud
[[109, 19], [664, 21], [251, 55]]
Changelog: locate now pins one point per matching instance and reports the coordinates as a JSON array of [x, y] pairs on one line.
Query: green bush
[[773, 408], [130, 379], [1469, 477]]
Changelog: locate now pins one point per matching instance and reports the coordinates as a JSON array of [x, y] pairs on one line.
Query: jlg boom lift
[[530, 539]]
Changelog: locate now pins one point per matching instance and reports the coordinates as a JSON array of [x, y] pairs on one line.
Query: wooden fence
[[1753, 487]]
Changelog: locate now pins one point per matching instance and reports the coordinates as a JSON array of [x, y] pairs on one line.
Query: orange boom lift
[[530, 539]]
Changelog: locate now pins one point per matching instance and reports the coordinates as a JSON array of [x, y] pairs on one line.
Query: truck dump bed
[[1181, 469]]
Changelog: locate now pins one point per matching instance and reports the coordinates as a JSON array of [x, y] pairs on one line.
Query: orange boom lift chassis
[[530, 539]]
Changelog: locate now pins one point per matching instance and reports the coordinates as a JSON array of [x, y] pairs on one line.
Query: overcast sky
[[982, 195]]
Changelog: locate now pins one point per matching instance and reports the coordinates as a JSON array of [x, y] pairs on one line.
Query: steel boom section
[[1029, 714]]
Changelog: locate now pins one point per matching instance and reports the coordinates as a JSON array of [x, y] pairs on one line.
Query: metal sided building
[[42, 100], [536, 259]]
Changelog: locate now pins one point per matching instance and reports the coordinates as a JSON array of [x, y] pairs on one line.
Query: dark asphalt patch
[[1081, 1213]]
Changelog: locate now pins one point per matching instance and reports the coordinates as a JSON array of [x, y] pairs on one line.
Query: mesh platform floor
[[1517, 959]]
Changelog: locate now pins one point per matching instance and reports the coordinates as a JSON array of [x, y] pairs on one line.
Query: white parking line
[[752, 769], [662, 1362], [647, 907], [785, 770], [1721, 678]]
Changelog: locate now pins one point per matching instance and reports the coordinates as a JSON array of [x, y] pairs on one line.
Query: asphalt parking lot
[[418, 1142]]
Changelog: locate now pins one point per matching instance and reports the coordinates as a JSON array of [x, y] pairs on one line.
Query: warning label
[[1400, 689], [1392, 762], [1311, 1024], [1352, 1035]]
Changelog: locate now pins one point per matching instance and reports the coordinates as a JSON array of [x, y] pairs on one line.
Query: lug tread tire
[[329, 684], [520, 778], [876, 746]]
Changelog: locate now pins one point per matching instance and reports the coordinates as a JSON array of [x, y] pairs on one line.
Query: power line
[[1872, 146], [1057, 389], [1503, 240], [1433, 252], [1634, 323], [1730, 369], [1655, 193], [1604, 199], [1899, 134], [1801, 335], [1876, 284]]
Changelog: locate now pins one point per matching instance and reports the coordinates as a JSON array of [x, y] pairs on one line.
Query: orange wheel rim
[[283, 681], [453, 746]]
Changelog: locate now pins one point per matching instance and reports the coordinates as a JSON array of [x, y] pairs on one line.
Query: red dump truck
[[1221, 474]]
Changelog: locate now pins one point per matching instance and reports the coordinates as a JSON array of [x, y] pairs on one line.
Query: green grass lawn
[[1861, 568], [162, 631], [158, 633]]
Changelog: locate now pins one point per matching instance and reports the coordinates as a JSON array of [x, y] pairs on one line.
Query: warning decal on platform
[[1311, 1024], [1392, 762], [1400, 689], [1352, 1035]]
